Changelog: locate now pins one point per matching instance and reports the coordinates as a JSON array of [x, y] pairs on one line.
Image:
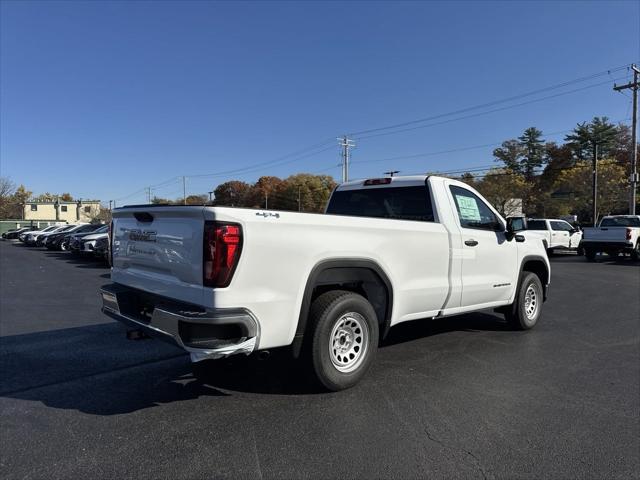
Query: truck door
[[560, 236], [489, 261]]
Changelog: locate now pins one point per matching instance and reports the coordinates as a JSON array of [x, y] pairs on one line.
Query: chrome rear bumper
[[204, 334]]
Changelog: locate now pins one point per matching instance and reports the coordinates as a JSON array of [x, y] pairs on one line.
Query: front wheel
[[590, 254], [527, 306], [344, 338]]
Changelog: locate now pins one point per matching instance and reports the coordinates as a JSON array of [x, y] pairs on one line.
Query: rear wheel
[[635, 255], [344, 338], [527, 306], [590, 254]]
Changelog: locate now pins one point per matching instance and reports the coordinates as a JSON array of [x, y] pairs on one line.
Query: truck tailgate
[[159, 249], [605, 234]]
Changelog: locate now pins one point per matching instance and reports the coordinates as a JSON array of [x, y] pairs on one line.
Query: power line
[[384, 133], [455, 150], [276, 162], [495, 102]]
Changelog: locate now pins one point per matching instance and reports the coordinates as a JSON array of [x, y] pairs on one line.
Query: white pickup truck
[[616, 234], [556, 234], [218, 281]]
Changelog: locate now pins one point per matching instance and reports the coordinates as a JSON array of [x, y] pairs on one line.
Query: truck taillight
[[222, 247], [628, 234]]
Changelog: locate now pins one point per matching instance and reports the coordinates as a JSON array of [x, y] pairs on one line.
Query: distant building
[[71, 212]]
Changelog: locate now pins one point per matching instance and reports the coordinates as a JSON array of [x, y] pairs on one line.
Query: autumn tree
[[161, 201], [503, 188], [231, 194], [574, 185], [307, 192], [195, 200], [45, 197], [12, 199], [266, 192]]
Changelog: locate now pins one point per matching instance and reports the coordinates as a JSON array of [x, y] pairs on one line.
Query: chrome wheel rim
[[348, 342], [531, 301]]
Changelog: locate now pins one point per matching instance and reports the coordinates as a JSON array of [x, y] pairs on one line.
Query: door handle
[[471, 242]]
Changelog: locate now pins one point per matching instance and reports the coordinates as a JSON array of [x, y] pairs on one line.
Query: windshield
[[620, 222]]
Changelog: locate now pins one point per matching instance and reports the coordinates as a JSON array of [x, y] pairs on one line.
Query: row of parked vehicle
[[82, 239]]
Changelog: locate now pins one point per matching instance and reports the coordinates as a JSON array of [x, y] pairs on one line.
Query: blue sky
[[102, 99]]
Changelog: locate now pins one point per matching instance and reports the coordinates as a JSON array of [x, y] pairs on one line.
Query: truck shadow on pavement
[[603, 259], [95, 370]]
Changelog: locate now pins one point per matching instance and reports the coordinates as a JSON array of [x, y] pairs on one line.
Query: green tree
[[533, 151], [586, 136], [510, 153]]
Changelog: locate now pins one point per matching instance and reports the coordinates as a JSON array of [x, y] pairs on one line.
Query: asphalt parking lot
[[454, 398]]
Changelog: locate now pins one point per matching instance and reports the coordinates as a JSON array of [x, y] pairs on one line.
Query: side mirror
[[516, 224]]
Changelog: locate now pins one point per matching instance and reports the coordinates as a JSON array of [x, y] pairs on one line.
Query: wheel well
[[540, 269], [359, 276]]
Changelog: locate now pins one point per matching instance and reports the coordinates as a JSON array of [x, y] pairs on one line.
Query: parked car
[[88, 243], [220, 281], [30, 238], [15, 232], [614, 235], [57, 240], [556, 234], [101, 248], [74, 239]]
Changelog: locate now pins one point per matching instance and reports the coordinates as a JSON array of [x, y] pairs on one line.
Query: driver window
[[560, 226], [473, 212]]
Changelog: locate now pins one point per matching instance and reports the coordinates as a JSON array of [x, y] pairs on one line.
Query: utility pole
[[148, 189], [110, 202], [210, 197], [266, 200], [595, 184], [184, 190], [346, 144], [391, 173], [634, 127]]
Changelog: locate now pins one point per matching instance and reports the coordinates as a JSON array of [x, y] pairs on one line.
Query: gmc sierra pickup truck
[[555, 234], [616, 234], [218, 281]]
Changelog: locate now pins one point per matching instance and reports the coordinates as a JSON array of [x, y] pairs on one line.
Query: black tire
[[590, 254], [520, 315], [635, 255], [355, 342]]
